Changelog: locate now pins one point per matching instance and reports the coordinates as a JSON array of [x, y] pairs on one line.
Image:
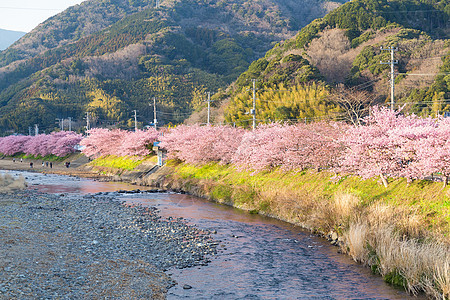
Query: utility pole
[[253, 111], [209, 108], [392, 62], [36, 129], [59, 123], [88, 125], [135, 120], [62, 124], [70, 123], [155, 121], [29, 130]]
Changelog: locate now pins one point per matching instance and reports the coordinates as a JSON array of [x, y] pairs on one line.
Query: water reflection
[[260, 258], [263, 258], [56, 184]]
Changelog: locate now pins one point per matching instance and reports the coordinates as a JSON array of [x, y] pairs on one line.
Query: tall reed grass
[[402, 233], [8, 183]]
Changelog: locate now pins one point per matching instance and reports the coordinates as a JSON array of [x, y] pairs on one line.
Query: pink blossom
[[118, 142], [201, 144], [59, 144]]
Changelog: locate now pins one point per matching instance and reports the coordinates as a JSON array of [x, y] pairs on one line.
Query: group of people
[[47, 164], [44, 163]]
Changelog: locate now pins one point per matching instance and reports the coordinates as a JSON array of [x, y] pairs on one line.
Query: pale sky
[[24, 15]]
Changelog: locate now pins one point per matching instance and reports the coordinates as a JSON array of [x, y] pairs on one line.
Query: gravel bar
[[91, 247]]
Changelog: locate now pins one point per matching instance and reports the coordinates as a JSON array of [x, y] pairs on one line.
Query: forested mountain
[[109, 57], [7, 37], [332, 66]]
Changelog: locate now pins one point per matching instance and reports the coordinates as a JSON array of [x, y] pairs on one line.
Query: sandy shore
[[75, 169], [89, 247]]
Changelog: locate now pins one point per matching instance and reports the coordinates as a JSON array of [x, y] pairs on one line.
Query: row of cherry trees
[[273, 145], [396, 145], [57, 143], [98, 142], [388, 144], [119, 142]]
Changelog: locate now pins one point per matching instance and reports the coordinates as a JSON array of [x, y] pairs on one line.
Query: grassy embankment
[[119, 165], [402, 232], [48, 158]]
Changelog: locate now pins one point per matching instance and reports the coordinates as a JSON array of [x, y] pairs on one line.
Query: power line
[[426, 74], [409, 11], [31, 8], [172, 113], [364, 85], [427, 58]]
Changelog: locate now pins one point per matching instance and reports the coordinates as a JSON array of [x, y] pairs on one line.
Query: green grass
[[50, 157], [118, 162], [427, 197], [417, 212]]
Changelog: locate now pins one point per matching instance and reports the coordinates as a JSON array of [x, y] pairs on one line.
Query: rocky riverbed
[[90, 247]]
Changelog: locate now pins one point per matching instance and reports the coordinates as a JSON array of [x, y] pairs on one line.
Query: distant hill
[[8, 37], [110, 57], [341, 54]]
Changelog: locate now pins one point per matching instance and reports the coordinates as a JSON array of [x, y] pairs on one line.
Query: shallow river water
[[259, 258]]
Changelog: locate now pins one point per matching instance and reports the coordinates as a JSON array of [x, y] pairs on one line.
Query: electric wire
[[31, 8]]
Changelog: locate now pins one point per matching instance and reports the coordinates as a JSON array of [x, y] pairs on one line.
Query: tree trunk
[[445, 181], [383, 179]]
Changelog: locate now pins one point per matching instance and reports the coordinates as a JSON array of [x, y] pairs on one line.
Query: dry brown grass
[[442, 277], [393, 240], [393, 237], [356, 242], [425, 266], [345, 204], [9, 183]]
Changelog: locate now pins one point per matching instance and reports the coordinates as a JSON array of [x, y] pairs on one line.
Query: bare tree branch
[[355, 104]]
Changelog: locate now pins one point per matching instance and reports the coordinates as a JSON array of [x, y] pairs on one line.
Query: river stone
[[334, 236]]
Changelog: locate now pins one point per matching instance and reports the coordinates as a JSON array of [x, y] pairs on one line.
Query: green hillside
[[341, 53], [110, 57]]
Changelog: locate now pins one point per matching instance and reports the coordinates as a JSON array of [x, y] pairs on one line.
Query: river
[[259, 257]]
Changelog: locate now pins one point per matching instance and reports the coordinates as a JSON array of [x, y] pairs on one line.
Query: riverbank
[[77, 161], [400, 232], [65, 246]]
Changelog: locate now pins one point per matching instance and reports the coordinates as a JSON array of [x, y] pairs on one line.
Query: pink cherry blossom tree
[[434, 151], [38, 145], [118, 142], [102, 141], [385, 145], [63, 143], [262, 148], [201, 144], [13, 144], [59, 143], [290, 147], [138, 143]]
